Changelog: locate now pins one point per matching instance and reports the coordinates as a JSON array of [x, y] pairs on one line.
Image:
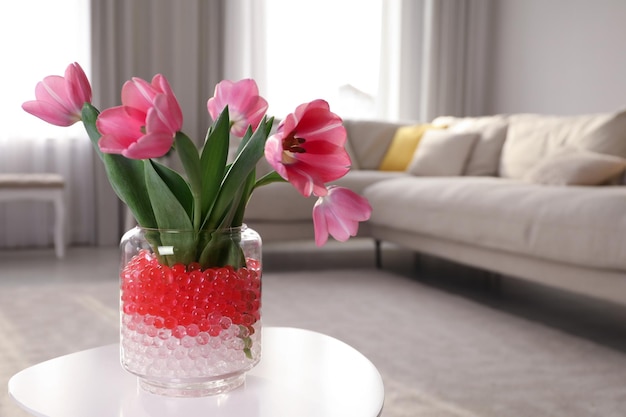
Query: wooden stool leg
[[59, 225], [378, 254]]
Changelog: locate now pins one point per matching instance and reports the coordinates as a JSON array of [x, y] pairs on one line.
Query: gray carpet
[[440, 353]]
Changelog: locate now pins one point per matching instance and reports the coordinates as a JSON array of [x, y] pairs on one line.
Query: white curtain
[[455, 57], [30, 224], [246, 48], [400, 73], [40, 38], [433, 58], [182, 40]]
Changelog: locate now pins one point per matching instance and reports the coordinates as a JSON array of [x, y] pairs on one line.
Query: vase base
[[195, 389]]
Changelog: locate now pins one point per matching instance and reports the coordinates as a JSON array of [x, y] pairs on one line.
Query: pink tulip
[[145, 124], [245, 106], [60, 99], [338, 213], [308, 148]]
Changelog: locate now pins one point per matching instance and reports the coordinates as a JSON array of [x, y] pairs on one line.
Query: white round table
[[302, 373]]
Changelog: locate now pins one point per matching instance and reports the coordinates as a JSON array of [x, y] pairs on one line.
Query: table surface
[[302, 373]]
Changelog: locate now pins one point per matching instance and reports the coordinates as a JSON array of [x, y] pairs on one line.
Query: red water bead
[[170, 298], [248, 295], [236, 318], [170, 322], [179, 332], [247, 320], [177, 311], [215, 330], [164, 311], [126, 297], [196, 278], [209, 274], [185, 319], [198, 315], [178, 269], [154, 309], [193, 330], [194, 266], [236, 295], [159, 322], [188, 305], [253, 264], [204, 325], [130, 308], [182, 280], [197, 298], [142, 309], [228, 310]]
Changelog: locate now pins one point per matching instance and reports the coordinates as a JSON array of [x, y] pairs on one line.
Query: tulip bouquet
[[211, 194]]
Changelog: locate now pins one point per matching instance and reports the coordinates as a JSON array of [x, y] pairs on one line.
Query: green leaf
[[268, 179], [89, 114], [213, 161], [223, 249], [170, 214], [244, 141], [126, 176], [240, 209], [177, 185], [168, 211], [239, 170], [190, 159]]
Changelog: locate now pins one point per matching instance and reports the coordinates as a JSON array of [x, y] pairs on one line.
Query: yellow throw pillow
[[402, 147]]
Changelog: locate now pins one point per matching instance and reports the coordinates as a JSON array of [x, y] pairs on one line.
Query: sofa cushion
[[575, 167], [369, 140], [485, 156], [574, 225], [403, 145], [441, 153], [530, 137]]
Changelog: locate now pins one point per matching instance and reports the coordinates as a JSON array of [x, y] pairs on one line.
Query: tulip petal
[[338, 213], [145, 125], [153, 145], [78, 87], [50, 112], [245, 107], [319, 224], [311, 152], [59, 100], [111, 144], [121, 121], [138, 93]]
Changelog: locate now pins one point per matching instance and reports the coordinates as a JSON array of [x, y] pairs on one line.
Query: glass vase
[[190, 308]]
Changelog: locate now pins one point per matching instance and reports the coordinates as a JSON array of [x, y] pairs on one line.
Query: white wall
[[557, 56]]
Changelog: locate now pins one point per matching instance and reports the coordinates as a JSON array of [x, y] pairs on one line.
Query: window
[[326, 49], [39, 38]]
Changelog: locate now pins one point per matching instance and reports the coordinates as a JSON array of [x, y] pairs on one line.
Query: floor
[[599, 321], [596, 321]]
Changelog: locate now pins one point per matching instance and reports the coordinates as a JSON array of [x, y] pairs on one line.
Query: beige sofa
[[531, 196]]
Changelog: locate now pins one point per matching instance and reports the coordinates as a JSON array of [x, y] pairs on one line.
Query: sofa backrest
[[531, 137], [368, 141]]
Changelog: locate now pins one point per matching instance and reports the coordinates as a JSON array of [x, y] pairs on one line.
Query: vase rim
[[232, 229]]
